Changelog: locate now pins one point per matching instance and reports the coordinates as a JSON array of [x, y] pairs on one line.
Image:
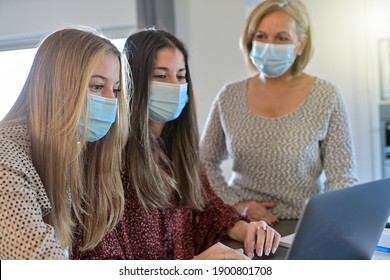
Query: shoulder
[[235, 86], [326, 87], [232, 91], [14, 130], [16, 163], [327, 92], [14, 138]]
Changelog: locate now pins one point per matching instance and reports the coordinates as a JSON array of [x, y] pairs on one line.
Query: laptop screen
[[343, 224]]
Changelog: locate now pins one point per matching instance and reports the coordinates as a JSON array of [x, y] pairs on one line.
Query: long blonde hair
[[82, 180]]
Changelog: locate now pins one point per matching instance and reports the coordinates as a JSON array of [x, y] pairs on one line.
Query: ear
[[302, 45]]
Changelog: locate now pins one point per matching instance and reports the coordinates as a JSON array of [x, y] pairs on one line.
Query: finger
[[261, 213], [272, 219], [239, 250], [276, 241], [249, 243], [268, 218], [261, 237], [272, 241], [235, 255], [270, 234], [268, 204]]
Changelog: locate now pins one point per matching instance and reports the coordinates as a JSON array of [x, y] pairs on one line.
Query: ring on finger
[[263, 227]]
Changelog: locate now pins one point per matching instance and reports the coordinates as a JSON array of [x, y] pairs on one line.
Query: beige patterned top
[[23, 201], [279, 159]]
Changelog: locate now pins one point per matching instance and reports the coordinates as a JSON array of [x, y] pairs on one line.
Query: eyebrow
[[279, 33], [99, 76], [103, 78], [284, 33], [167, 69]]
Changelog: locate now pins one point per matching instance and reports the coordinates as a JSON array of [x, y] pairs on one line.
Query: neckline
[[293, 112]]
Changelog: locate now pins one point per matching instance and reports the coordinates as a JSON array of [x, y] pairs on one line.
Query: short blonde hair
[[297, 11]]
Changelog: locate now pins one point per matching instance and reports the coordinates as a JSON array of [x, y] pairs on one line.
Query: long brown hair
[[81, 180], [152, 180]]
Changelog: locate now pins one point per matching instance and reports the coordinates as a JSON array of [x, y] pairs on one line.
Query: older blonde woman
[[282, 128]]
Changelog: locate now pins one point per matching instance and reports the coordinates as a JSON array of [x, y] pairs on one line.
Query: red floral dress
[[169, 233]]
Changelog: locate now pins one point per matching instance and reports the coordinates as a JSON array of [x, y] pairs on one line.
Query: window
[[14, 68]]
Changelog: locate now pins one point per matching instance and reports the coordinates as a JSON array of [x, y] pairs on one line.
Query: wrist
[[241, 207], [237, 232]]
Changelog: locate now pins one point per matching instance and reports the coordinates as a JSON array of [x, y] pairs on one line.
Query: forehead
[[107, 63], [277, 21], [169, 56]]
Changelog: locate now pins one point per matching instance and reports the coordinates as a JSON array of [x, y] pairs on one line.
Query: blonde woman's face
[[276, 28], [105, 79]]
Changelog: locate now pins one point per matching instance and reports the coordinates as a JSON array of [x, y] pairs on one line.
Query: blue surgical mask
[[166, 101], [273, 60], [101, 115]]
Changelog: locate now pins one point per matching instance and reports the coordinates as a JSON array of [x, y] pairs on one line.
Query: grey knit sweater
[[285, 159]]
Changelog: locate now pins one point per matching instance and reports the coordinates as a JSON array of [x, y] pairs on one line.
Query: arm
[[214, 221], [337, 149], [213, 151], [219, 220], [212, 225]]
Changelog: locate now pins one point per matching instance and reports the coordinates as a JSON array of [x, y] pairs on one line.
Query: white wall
[[341, 52], [22, 20], [345, 37], [211, 30]]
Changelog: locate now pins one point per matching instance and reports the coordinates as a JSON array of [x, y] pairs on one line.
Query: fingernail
[[274, 250], [267, 251], [250, 255], [260, 253]]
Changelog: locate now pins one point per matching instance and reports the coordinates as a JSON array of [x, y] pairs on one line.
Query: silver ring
[[263, 227]]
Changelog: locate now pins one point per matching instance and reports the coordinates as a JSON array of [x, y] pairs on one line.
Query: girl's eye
[[96, 87], [160, 76], [182, 78]]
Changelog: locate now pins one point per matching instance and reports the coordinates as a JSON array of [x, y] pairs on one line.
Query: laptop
[[344, 224]]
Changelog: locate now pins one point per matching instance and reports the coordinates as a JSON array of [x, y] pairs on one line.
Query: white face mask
[[273, 60], [166, 101]]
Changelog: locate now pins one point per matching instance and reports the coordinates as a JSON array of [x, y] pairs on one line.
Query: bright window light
[[14, 68]]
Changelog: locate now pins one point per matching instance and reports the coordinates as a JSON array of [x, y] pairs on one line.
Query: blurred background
[[351, 41]]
